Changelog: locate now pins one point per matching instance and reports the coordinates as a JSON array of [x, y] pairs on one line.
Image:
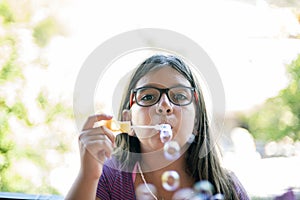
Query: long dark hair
[[202, 160]]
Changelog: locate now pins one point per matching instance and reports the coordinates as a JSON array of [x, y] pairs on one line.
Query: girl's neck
[[152, 171], [157, 162]]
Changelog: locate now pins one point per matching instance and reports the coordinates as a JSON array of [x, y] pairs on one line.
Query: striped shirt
[[116, 184]]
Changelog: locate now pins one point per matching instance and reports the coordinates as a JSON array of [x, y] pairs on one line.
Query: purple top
[[119, 184]]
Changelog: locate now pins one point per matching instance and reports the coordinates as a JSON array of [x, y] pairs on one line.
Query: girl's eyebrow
[[161, 86]]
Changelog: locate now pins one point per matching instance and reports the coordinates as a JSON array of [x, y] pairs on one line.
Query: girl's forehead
[[163, 76]]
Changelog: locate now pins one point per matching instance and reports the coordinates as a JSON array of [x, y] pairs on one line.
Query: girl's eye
[[147, 97], [179, 96]]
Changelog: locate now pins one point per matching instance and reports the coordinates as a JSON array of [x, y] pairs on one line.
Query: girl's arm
[[95, 144]]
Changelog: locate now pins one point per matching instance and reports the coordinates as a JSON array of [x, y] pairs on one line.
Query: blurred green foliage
[[10, 69], [45, 30], [15, 17], [279, 116], [6, 13]]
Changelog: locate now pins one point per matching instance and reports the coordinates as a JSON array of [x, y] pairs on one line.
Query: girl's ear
[[126, 115]]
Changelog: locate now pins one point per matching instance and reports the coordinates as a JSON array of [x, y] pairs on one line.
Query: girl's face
[[181, 118]]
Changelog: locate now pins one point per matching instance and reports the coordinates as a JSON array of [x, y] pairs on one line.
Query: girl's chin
[[156, 143], [153, 145]]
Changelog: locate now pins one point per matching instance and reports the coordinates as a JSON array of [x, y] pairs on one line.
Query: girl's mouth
[[165, 132]]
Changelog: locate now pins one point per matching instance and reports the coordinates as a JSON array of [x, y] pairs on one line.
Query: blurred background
[[255, 45]]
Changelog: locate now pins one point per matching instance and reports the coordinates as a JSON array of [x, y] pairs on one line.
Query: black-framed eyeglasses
[[148, 96]]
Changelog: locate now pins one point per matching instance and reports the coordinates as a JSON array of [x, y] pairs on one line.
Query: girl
[[162, 90]]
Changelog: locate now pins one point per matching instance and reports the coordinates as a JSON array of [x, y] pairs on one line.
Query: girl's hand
[[95, 145]]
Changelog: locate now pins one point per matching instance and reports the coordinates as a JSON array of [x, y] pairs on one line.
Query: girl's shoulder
[[115, 182], [243, 195], [114, 164]]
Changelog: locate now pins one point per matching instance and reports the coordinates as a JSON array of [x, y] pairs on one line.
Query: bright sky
[[247, 42]]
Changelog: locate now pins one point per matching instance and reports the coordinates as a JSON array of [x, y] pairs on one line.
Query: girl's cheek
[[140, 116]]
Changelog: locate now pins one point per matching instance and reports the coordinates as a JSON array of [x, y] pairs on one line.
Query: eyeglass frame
[[161, 92]]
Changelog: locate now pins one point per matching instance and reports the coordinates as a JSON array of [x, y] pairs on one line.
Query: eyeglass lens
[[177, 95]]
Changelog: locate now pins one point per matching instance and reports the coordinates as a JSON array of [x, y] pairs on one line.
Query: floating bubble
[[170, 180], [200, 197], [191, 139], [183, 194], [172, 150], [204, 187], [143, 192], [165, 133], [218, 197]]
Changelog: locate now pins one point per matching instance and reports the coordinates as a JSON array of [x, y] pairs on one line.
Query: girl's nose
[[164, 106]]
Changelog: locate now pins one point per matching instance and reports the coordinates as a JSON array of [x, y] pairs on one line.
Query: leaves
[[45, 30], [6, 13], [10, 68], [28, 120], [279, 116]]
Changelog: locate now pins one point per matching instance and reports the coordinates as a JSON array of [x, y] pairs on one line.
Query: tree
[[279, 116], [24, 133]]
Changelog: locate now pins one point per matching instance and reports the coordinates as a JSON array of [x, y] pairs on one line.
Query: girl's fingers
[[93, 138], [101, 130], [91, 120], [96, 144], [99, 145], [108, 133], [99, 141]]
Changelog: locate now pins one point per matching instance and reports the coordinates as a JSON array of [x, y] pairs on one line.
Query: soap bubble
[[218, 197], [204, 187], [165, 133], [200, 197], [191, 139], [172, 150], [143, 191], [170, 180], [183, 194]]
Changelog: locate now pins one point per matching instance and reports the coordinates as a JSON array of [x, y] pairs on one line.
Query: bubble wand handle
[[157, 127], [118, 127]]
